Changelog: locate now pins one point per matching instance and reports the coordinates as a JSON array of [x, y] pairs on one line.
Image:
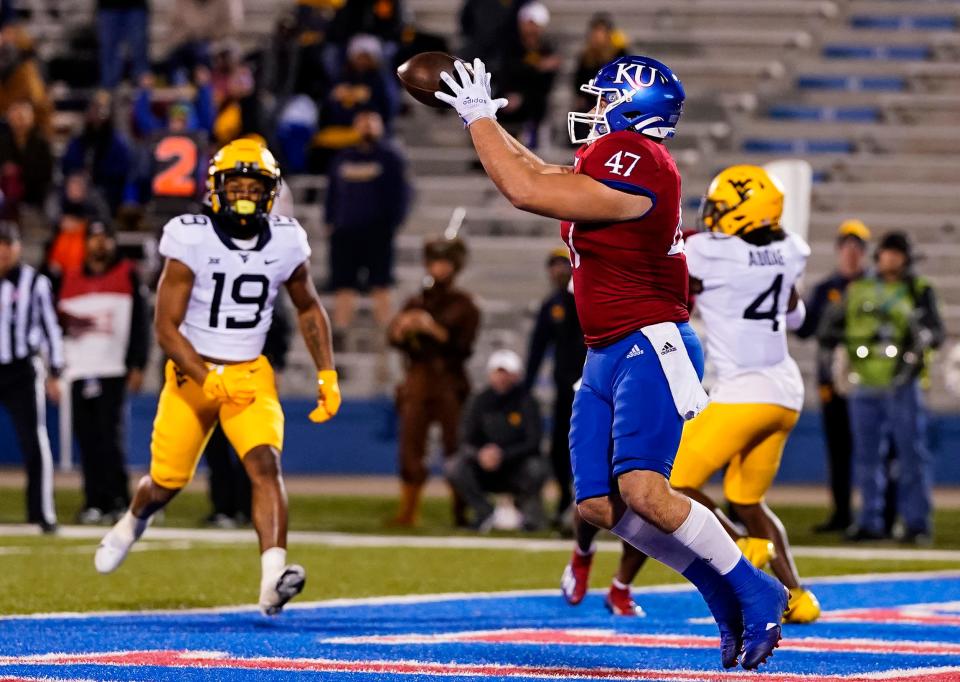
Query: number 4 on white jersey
[[616, 163]]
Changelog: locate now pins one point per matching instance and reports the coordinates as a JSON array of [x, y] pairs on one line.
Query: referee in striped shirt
[[28, 325]]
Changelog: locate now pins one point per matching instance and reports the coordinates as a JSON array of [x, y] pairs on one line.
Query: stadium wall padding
[[362, 440]]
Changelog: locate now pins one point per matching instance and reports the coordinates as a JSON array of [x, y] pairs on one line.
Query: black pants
[[560, 445], [229, 484], [836, 427], [22, 394], [99, 425], [522, 478]]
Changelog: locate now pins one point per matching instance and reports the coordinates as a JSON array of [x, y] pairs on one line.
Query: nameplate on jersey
[[766, 257]]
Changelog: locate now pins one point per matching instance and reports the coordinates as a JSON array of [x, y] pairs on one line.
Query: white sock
[[129, 528], [272, 563], [703, 534], [619, 585], [650, 540]]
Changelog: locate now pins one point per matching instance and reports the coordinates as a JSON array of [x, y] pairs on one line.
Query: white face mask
[[595, 119]]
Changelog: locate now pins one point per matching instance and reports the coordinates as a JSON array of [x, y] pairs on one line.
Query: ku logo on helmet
[[636, 80]]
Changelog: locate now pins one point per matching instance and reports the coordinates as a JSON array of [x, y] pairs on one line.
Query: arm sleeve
[[139, 345], [47, 320], [532, 431], [624, 165], [541, 338]]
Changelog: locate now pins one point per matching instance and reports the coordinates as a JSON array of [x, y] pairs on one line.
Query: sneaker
[[620, 602], [763, 606], [290, 583], [91, 516], [802, 607], [576, 577], [759, 551], [116, 545]]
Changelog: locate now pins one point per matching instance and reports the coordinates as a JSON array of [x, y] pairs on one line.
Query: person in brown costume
[[435, 331]]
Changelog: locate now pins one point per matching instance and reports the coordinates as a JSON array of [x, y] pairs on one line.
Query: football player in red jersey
[[620, 210]]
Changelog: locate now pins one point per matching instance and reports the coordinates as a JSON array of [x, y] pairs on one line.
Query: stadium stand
[[867, 90]]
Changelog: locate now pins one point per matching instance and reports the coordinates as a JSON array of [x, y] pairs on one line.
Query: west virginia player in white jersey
[[744, 269], [215, 300]]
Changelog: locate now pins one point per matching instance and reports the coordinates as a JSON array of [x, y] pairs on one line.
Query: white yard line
[[452, 596], [457, 542]]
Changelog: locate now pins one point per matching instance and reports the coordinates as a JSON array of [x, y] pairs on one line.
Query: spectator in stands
[[485, 25], [238, 111], [123, 23], [827, 296], [367, 201], [20, 76], [79, 206], [26, 164], [500, 446], [361, 86], [435, 331], [529, 69], [199, 24], [103, 310], [889, 324], [192, 111], [101, 151], [382, 19], [604, 43], [558, 326]]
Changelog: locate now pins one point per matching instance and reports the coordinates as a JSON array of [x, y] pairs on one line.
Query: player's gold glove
[[235, 387], [328, 399]]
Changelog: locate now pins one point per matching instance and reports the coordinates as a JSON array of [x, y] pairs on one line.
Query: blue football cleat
[[724, 607], [763, 609]]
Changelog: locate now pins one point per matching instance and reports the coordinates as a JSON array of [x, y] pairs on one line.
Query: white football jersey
[[746, 290], [234, 288]]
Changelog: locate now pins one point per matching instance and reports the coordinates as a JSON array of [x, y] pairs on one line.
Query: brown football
[[420, 76]]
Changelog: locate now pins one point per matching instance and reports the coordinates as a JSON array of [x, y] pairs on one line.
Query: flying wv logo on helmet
[[633, 93]]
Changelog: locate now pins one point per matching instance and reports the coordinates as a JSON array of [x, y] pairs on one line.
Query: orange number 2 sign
[[179, 178]]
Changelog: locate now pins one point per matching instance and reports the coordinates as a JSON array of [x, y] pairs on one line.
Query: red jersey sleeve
[[625, 161]]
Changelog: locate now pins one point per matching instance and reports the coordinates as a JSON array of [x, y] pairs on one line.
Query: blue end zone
[[866, 629]]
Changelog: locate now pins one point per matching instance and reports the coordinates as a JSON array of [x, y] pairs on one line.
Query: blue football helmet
[[633, 93]]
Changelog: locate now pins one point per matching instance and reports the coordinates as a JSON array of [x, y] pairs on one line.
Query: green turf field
[[56, 574]]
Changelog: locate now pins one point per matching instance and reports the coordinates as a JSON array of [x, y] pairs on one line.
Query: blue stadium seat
[[880, 52], [904, 22], [852, 83], [797, 146], [804, 112]]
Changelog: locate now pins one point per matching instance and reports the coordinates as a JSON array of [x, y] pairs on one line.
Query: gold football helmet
[[245, 158], [742, 199]]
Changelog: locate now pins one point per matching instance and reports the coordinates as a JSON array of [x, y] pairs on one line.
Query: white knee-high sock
[[650, 540], [702, 533]]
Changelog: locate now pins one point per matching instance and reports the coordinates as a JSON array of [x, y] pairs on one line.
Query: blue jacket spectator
[[101, 151], [199, 112]]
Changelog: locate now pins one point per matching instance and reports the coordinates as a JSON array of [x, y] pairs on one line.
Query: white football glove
[[471, 97]]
